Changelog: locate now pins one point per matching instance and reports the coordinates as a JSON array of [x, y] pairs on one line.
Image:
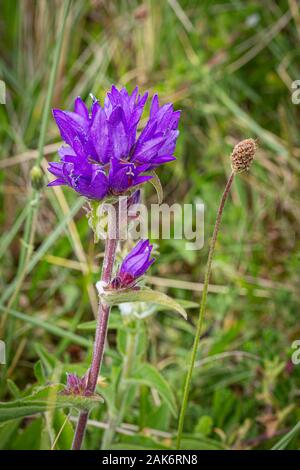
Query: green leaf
[[138, 443], [140, 339], [186, 304], [114, 322], [127, 446], [155, 181], [45, 399], [64, 428], [39, 372], [87, 326], [122, 342], [48, 360], [204, 425], [285, 440], [145, 374], [7, 433], [198, 442], [13, 388], [155, 418], [143, 295], [97, 220], [30, 438]]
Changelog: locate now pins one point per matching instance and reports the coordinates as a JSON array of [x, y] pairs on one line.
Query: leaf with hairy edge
[[143, 295], [45, 399], [145, 374], [114, 320]]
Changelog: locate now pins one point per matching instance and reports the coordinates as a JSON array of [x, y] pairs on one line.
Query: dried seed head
[[242, 155]]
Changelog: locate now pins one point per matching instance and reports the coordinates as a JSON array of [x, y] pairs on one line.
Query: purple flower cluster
[[134, 265], [103, 155], [75, 385]]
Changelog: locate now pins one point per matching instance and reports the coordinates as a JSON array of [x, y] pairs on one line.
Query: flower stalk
[[100, 337], [241, 159], [188, 379]]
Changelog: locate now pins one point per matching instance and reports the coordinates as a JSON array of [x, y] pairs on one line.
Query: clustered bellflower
[[134, 265], [104, 156]]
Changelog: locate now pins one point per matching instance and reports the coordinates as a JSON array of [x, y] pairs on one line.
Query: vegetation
[[229, 66]]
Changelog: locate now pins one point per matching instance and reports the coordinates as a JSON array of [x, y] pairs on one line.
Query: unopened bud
[[242, 155], [37, 177]]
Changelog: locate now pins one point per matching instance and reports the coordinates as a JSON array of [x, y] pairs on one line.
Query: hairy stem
[[100, 337], [188, 379]]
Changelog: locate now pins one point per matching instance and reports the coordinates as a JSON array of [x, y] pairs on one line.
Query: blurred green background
[[229, 66]]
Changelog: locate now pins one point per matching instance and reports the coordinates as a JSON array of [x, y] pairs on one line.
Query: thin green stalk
[[123, 391], [188, 379]]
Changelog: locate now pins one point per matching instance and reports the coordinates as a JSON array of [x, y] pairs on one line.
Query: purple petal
[[93, 189], [66, 151], [56, 169], [70, 131], [99, 133], [57, 182], [81, 108], [147, 150], [136, 263], [154, 106], [141, 179], [139, 248], [118, 133]]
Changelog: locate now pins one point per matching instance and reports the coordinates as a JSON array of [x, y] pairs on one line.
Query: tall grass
[[229, 67]]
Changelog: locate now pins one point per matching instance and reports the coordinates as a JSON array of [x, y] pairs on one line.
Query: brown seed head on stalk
[[242, 155]]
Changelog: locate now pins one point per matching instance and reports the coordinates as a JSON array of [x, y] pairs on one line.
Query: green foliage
[[145, 374], [143, 295], [229, 67], [204, 426], [45, 399]]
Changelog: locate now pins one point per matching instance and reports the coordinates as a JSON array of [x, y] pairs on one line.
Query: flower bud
[[37, 177], [76, 385], [134, 265], [242, 155]]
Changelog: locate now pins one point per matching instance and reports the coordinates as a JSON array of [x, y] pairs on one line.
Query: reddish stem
[[100, 338]]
